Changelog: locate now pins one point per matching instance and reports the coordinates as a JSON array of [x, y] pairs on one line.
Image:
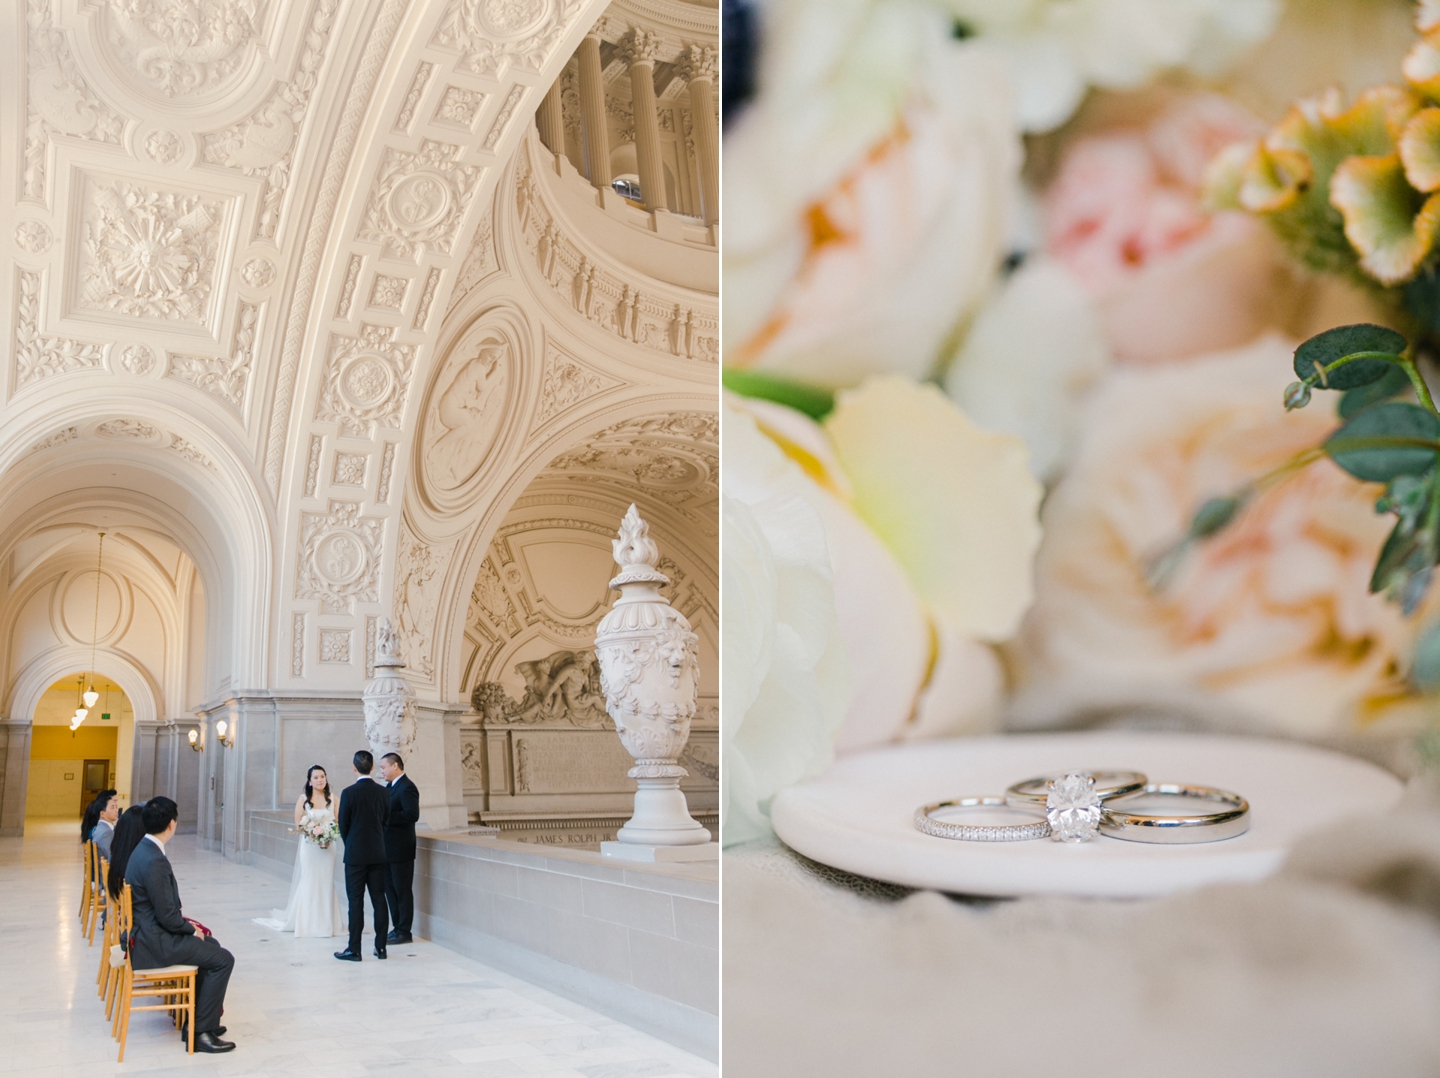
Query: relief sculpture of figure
[[469, 412], [564, 686], [576, 683]]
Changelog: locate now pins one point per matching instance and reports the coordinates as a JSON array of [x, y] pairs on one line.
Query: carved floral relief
[[494, 35], [174, 48], [58, 99], [38, 355], [419, 576], [147, 252], [224, 377], [365, 382]]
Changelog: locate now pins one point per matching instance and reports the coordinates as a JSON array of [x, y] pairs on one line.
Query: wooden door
[[97, 778]]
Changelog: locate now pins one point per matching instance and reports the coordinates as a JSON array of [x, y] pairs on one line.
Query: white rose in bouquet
[[784, 679], [1030, 357], [867, 191], [1057, 49], [929, 527]]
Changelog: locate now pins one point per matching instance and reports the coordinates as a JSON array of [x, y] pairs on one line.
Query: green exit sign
[[105, 716]]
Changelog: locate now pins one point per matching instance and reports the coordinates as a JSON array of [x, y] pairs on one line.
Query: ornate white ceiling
[[232, 306]]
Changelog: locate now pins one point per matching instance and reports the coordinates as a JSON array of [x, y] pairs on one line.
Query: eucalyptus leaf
[[1422, 299], [1403, 569], [1213, 515], [1386, 440], [1395, 382], [1325, 348], [1426, 670], [815, 401]]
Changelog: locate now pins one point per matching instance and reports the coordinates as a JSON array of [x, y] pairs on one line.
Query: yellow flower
[[1288, 178], [1420, 150], [1387, 221], [1421, 66]]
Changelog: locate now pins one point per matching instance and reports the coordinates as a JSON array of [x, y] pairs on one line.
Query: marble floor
[[291, 1008]]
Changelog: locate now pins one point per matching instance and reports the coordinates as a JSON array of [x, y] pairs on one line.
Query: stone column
[[592, 113], [14, 775], [434, 765], [699, 67], [642, 48], [551, 120]]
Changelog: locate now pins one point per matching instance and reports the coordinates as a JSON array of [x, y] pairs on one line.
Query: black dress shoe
[[347, 955], [185, 1031], [399, 937], [380, 954], [211, 1042]]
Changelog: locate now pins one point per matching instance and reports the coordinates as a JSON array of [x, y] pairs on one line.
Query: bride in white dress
[[314, 908]]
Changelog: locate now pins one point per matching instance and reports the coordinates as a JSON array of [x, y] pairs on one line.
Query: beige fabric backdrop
[[1332, 968]]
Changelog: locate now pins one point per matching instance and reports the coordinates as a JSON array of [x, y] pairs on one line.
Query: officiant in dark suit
[[400, 846], [162, 935], [364, 811]]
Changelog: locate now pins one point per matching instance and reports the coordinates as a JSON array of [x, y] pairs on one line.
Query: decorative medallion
[[339, 558]]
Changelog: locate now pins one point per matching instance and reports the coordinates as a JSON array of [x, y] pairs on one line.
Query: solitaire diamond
[[1073, 808]]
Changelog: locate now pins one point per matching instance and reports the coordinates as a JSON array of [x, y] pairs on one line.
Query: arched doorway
[[69, 763], [540, 757]]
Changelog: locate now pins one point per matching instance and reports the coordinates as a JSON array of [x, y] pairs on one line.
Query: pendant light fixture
[[91, 696]]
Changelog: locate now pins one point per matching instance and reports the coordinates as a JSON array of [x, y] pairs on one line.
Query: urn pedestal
[[649, 670]]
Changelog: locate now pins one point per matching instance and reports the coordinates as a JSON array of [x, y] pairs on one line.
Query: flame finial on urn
[[635, 552]]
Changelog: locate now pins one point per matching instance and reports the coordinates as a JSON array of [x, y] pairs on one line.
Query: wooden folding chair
[[172, 986], [98, 896], [108, 937], [87, 893]]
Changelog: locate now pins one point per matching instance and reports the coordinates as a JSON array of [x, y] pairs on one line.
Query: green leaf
[[1407, 497], [1395, 382], [1214, 515], [1426, 671], [1406, 563], [1422, 299], [1386, 440], [1325, 348], [815, 401]]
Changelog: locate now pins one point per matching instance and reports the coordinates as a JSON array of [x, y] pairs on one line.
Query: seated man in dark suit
[[163, 937]]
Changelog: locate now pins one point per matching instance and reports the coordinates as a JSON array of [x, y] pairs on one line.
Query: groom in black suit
[[364, 811], [400, 846], [162, 936]]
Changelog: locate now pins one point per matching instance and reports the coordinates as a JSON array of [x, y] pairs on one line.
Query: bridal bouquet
[[319, 831]]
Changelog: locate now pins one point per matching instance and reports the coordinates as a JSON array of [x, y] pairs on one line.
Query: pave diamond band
[[977, 832]]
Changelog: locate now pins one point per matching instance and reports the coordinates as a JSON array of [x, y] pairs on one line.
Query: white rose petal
[[1029, 358], [956, 504]]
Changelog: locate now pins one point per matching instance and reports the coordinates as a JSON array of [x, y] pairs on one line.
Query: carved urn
[[389, 703], [649, 669]]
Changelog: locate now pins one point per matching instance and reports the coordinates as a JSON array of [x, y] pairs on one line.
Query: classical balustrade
[[605, 110]]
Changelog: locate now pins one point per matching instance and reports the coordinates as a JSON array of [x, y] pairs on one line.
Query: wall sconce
[[225, 731], [194, 736]]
